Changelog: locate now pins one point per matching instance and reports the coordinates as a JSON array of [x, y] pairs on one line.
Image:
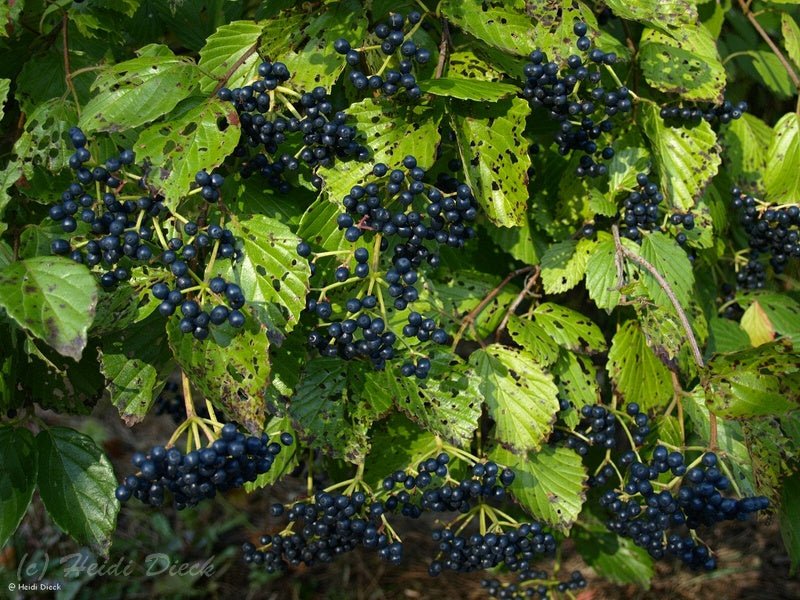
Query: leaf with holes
[[532, 338], [635, 371], [576, 377], [686, 159], [467, 89], [520, 396], [569, 328], [188, 144], [656, 13], [564, 264], [53, 299], [671, 262], [683, 62], [137, 91], [391, 132], [489, 139], [231, 368], [44, 142], [549, 484]]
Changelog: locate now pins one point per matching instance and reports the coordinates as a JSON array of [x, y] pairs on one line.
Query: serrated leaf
[[683, 62], [726, 336], [467, 89], [521, 398], [613, 557], [686, 159], [772, 72], [136, 362], [576, 377], [757, 325], [229, 54], [43, 143], [465, 64], [569, 328], [230, 368], [489, 139], [623, 168], [601, 274], [753, 382], [533, 339], [53, 299], [670, 260], [656, 13], [564, 264], [17, 478], [783, 161], [747, 141], [188, 144], [482, 20], [271, 271], [637, 374], [76, 484], [390, 131], [137, 91], [446, 403], [791, 37], [549, 484]]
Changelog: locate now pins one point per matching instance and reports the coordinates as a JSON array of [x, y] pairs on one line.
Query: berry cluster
[[397, 204], [686, 116], [685, 220], [649, 511], [641, 209], [598, 426], [772, 231], [391, 37], [225, 464], [574, 98], [533, 584], [324, 132]]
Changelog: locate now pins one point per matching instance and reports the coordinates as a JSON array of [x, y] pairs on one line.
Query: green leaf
[[76, 484], [670, 260], [8, 177], [4, 87], [303, 40], [753, 382], [791, 37], [318, 225], [576, 377], [44, 141], [17, 478], [601, 273], [519, 242], [569, 328], [549, 484], [521, 398], [747, 141], [446, 403], [783, 161], [53, 299], [726, 336], [229, 55], [637, 374], [467, 89], [772, 73], [623, 168], [656, 13], [789, 518], [483, 19], [188, 144], [533, 339], [230, 368], [397, 443], [136, 362], [137, 91], [271, 271], [489, 139], [783, 313], [613, 557], [391, 131], [466, 65], [684, 62], [564, 264], [686, 159]]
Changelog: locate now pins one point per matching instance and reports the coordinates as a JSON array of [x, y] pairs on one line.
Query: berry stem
[[187, 396]]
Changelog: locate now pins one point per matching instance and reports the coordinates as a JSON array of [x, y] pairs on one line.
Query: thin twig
[[632, 256], [470, 318], [765, 36], [67, 71], [443, 48], [529, 283], [239, 62]]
